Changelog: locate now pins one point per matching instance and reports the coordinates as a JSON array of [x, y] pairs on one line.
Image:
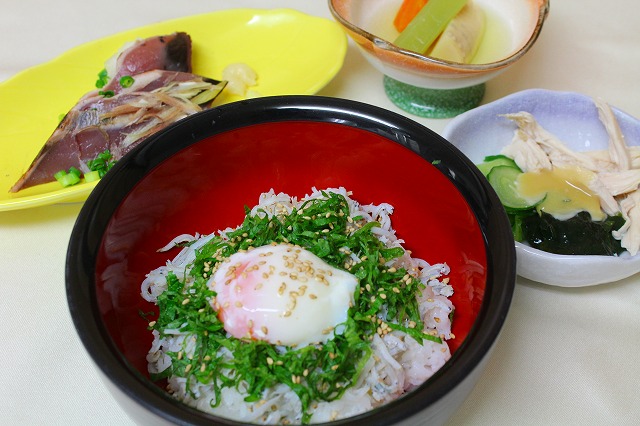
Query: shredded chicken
[[527, 154], [616, 171], [608, 203], [629, 233], [604, 161], [558, 154], [619, 183], [617, 148]]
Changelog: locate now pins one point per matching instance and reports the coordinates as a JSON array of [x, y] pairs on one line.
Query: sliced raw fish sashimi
[[162, 91], [168, 52], [97, 123]]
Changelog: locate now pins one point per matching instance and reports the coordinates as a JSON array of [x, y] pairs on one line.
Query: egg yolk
[[282, 294]]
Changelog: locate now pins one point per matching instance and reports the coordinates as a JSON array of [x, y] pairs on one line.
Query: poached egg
[[282, 294]]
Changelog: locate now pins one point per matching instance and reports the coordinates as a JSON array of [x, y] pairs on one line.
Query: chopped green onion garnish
[[102, 163], [103, 79], [98, 168], [126, 81], [92, 176], [68, 179], [106, 93], [75, 171]]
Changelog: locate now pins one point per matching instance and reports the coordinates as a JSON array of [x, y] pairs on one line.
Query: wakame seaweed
[[577, 235]]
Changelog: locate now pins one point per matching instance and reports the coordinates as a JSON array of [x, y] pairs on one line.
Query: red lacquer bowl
[[198, 175]]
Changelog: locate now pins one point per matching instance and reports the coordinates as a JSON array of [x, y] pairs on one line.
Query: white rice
[[398, 363]]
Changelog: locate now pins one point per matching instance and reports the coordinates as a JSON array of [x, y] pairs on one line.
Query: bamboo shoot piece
[[461, 38]]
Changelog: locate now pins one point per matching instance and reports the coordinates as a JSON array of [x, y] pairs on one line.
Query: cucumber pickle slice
[[504, 179]]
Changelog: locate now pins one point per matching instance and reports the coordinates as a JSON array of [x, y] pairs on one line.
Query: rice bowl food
[[197, 181], [233, 334]]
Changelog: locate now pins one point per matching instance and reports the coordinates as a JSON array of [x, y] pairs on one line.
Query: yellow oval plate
[[292, 53]]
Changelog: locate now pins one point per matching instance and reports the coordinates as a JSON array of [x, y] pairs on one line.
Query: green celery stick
[[428, 24]]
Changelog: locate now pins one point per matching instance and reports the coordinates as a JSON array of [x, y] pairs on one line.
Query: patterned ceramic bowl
[[512, 27]]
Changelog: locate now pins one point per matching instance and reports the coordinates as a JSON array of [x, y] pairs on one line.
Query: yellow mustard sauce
[[567, 192]]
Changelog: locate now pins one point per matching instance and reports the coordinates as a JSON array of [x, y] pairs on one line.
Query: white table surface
[[566, 356]]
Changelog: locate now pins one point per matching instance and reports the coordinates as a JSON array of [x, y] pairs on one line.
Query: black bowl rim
[[95, 214]]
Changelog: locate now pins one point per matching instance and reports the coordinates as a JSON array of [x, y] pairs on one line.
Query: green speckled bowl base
[[433, 103]]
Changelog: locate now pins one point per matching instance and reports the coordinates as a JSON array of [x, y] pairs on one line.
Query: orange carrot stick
[[408, 10]]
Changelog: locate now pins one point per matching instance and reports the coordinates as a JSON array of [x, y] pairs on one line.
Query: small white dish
[[573, 118]]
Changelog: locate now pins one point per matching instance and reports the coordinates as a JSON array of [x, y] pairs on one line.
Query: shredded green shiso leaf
[[315, 372]]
